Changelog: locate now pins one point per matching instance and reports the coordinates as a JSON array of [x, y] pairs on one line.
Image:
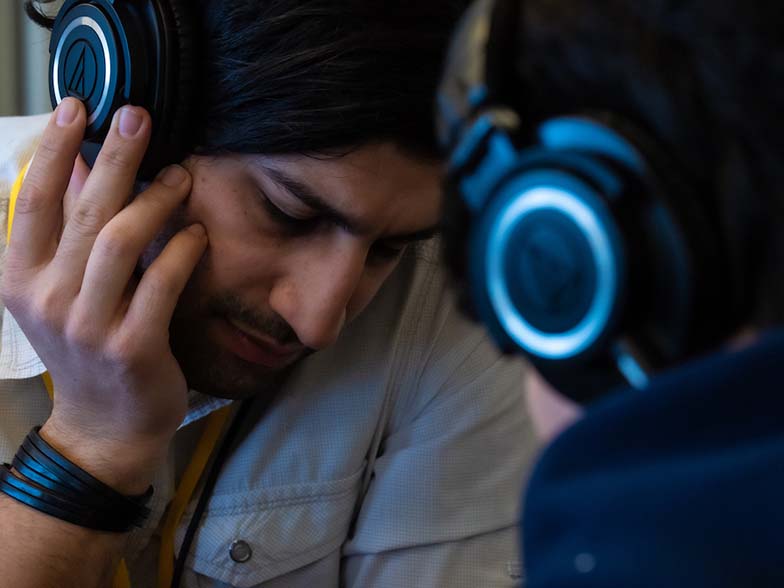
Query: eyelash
[[387, 252], [291, 223], [302, 225]]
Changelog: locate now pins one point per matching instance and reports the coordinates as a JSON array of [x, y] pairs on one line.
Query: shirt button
[[240, 551]]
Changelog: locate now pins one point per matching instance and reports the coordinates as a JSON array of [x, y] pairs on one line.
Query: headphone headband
[[473, 77]]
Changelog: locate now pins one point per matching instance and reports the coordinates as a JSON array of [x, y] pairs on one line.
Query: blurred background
[[24, 60]]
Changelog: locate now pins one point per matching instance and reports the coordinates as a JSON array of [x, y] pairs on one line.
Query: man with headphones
[[617, 169], [252, 383]]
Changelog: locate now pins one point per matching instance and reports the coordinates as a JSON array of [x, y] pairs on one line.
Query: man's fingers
[[78, 179], [122, 241], [156, 296], [105, 192], [38, 211]]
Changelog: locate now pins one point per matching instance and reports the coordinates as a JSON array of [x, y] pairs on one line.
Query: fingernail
[[197, 230], [66, 112], [172, 176], [130, 122]]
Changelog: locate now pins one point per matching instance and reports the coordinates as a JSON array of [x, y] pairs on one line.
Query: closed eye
[[383, 251], [287, 221]]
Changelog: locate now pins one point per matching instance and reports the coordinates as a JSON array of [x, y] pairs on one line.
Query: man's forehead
[[359, 188], [382, 163]]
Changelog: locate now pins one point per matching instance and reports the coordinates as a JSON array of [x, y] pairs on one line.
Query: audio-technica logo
[[80, 71]]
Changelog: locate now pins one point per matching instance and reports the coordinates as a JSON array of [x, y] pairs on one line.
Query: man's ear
[[551, 412]]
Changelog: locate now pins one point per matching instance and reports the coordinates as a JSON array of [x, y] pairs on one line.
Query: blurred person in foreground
[[615, 210]]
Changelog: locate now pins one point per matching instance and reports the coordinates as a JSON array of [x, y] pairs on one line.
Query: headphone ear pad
[[548, 262], [109, 54], [173, 109]]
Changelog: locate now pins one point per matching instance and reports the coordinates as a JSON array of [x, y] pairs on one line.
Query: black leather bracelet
[[24, 493], [47, 481], [41, 493], [28, 450], [35, 473], [29, 458], [32, 470], [75, 471], [38, 462]]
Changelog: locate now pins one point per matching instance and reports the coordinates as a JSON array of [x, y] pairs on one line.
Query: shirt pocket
[[248, 538]]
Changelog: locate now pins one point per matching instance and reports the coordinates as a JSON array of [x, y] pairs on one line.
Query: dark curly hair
[[314, 76]]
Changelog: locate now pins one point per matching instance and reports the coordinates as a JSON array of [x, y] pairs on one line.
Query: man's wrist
[[127, 467]]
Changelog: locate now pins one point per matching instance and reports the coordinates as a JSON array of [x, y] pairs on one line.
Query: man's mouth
[[256, 348]]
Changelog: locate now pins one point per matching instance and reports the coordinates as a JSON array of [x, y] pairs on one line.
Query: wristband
[[31, 469], [50, 504], [47, 481], [82, 476], [101, 497]]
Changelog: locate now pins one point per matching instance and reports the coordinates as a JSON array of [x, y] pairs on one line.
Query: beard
[[210, 368], [207, 366]]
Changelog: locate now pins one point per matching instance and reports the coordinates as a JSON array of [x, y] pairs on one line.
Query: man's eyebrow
[[308, 197], [304, 193]]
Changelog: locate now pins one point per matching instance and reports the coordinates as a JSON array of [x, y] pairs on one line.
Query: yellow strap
[[15, 189], [49, 384], [209, 439], [122, 579]]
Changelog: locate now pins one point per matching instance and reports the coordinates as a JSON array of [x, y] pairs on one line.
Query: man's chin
[[223, 375]]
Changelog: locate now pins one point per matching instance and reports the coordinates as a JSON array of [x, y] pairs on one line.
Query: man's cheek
[[551, 412]]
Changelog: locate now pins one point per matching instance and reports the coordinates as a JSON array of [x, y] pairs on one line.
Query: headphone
[[583, 246], [110, 53]]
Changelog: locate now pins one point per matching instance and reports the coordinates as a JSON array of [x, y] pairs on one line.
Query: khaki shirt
[[394, 459]]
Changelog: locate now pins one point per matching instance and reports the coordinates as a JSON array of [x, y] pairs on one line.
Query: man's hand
[[69, 283]]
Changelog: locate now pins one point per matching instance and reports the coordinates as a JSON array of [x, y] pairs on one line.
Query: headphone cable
[[209, 485]]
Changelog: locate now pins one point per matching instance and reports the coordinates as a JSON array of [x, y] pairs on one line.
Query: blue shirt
[[679, 485]]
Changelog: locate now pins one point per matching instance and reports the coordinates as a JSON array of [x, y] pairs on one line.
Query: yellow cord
[[209, 439], [190, 479], [14, 195], [49, 384]]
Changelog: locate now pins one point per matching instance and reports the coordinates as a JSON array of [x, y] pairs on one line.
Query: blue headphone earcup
[[587, 262], [548, 263], [109, 54], [90, 60]]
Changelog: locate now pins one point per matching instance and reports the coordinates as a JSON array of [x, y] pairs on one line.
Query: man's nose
[[313, 297]]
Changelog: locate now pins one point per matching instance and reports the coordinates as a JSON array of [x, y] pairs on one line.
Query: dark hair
[[316, 76], [706, 79]]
